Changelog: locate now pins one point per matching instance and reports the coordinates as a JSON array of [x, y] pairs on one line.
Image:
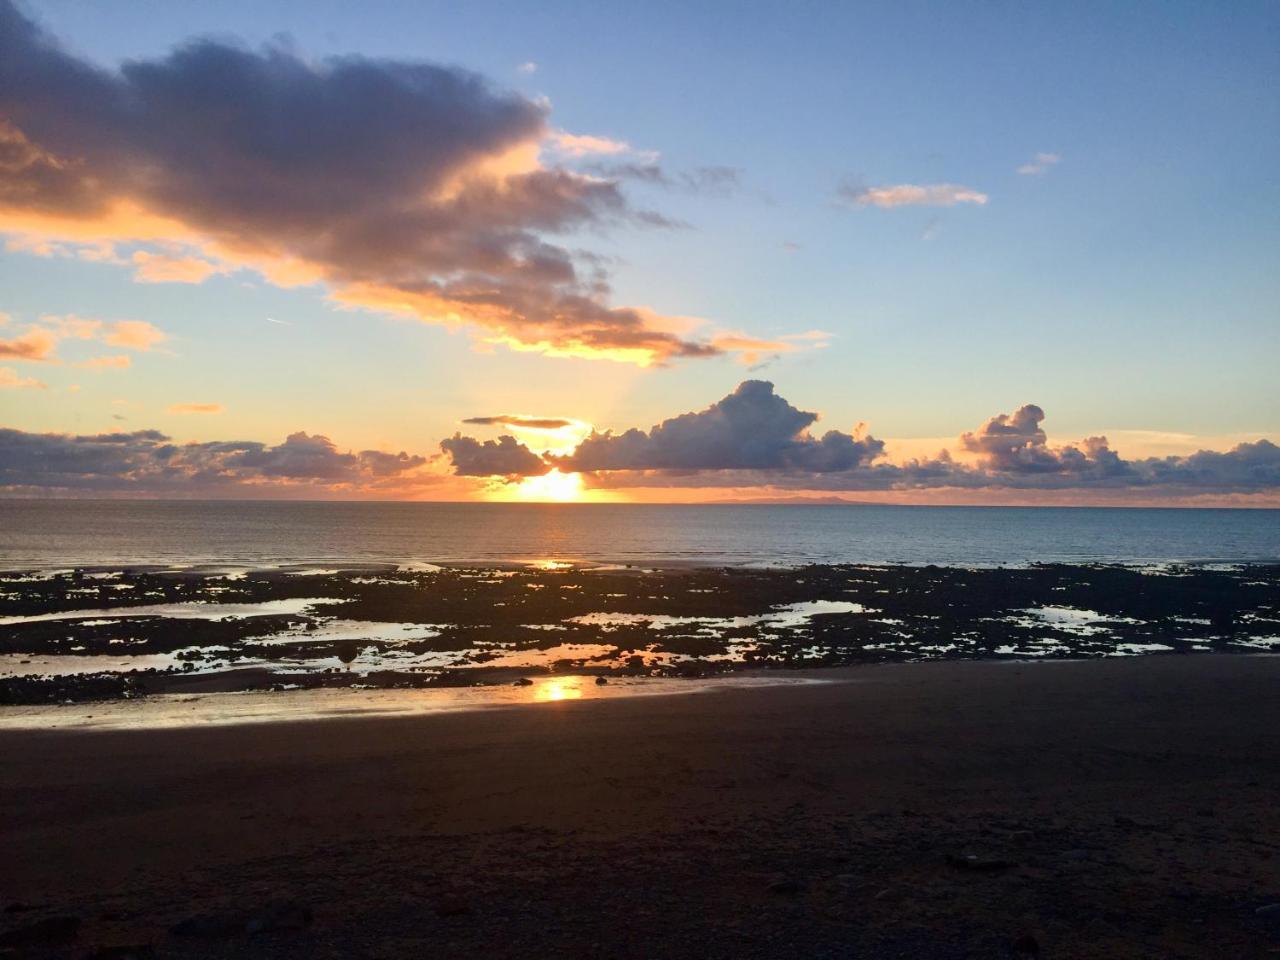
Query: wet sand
[[1105, 808]]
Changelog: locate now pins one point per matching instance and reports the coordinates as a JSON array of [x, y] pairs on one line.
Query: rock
[[50, 930], [1269, 914], [138, 951], [523, 682], [453, 906], [979, 863], [208, 926], [786, 887], [278, 917], [601, 681], [1026, 945]]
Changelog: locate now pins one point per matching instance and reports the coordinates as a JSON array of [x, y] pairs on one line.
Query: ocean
[[47, 534]]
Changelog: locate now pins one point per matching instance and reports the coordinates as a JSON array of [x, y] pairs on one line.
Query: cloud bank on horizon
[[750, 438], [403, 187], [148, 463], [755, 438]]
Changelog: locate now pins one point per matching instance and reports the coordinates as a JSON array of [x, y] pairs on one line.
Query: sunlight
[[555, 486], [567, 689]]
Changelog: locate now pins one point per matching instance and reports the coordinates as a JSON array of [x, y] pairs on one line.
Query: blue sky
[[1129, 286]]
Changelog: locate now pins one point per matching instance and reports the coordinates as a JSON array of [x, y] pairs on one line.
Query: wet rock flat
[[100, 634]]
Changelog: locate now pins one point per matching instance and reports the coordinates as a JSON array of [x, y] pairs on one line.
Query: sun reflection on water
[[558, 688]]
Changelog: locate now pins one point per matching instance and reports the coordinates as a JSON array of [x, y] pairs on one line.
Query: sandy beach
[[1108, 808]]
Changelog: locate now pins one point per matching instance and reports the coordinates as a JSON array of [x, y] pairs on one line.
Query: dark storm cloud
[[751, 429], [504, 457], [147, 461], [514, 420], [394, 182]]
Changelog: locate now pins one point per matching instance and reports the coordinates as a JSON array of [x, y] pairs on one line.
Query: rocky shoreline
[[82, 635]]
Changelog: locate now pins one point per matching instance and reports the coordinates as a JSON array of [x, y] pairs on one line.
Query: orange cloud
[[580, 145], [118, 362], [196, 408], [35, 345], [158, 268], [9, 380], [134, 334], [402, 187]]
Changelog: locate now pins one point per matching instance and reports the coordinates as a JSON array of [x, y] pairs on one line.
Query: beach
[[1101, 808]]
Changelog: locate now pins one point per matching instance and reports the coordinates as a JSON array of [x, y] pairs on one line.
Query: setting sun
[[557, 486]]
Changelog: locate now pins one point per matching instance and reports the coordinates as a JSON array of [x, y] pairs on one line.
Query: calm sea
[[44, 533]]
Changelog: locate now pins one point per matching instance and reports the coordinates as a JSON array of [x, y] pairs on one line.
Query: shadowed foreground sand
[[1116, 808]]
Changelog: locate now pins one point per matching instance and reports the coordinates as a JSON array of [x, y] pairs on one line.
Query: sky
[[910, 252]]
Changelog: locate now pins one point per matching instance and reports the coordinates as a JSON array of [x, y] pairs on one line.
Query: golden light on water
[[568, 688]]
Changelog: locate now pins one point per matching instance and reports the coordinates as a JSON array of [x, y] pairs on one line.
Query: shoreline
[[1118, 808], [254, 707], [99, 636]]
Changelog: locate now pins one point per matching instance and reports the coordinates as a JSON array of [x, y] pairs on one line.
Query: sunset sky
[[940, 253]]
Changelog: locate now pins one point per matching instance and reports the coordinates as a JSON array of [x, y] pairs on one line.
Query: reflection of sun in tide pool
[[569, 688]]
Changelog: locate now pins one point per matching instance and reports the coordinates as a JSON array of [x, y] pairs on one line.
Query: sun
[[554, 486]]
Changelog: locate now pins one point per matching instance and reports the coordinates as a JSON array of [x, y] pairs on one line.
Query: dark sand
[[1117, 808]]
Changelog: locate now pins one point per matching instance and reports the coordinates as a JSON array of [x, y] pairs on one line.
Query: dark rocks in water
[[916, 613], [138, 951], [1026, 945], [601, 681], [208, 926], [786, 887], [453, 906], [523, 682], [47, 932], [978, 863], [279, 917], [1270, 914]]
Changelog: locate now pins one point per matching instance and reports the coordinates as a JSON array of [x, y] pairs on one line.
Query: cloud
[[755, 438], [147, 462], [1040, 164], [527, 67], [504, 457], [116, 362], [523, 422], [9, 380], [753, 351], [158, 268], [133, 334], [40, 340], [911, 195], [35, 345], [196, 408], [581, 145], [402, 187], [750, 429], [714, 181]]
